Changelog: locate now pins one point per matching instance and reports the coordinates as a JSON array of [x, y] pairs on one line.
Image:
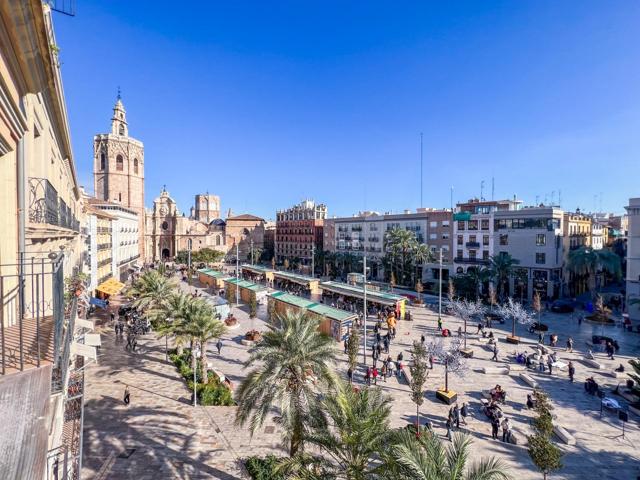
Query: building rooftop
[[254, 287], [213, 273], [374, 295], [317, 308]]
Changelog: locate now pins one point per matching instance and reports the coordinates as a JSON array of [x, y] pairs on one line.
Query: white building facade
[[633, 257]]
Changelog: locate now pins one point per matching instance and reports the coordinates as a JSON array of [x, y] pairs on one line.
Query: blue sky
[[267, 103]]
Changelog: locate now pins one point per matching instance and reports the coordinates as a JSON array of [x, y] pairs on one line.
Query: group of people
[[457, 415]]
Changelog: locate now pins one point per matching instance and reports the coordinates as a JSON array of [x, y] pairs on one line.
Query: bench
[[518, 437], [495, 370], [563, 435], [544, 349], [592, 363], [517, 367], [528, 379], [615, 374]]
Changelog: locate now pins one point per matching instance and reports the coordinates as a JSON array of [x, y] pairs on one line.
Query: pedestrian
[[570, 344], [506, 431], [423, 339], [456, 415], [219, 346], [440, 324], [495, 427], [350, 375], [541, 338], [127, 396], [459, 331], [550, 364], [378, 337], [541, 363], [572, 371], [430, 362], [579, 320], [113, 317], [346, 344], [400, 357], [495, 352], [374, 374], [379, 349], [448, 425], [609, 349], [367, 376], [116, 328], [464, 412], [386, 344]]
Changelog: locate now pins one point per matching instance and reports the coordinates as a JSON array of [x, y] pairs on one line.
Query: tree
[[537, 304], [229, 294], [399, 243], [151, 290], [467, 310], [423, 457], [295, 362], [349, 429], [419, 374], [545, 455], [465, 286], [167, 319], [478, 276], [419, 290], [253, 306], [353, 347], [635, 364], [517, 313], [392, 281], [420, 254], [450, 357], [587, 261], [501, 268], [451, 290]]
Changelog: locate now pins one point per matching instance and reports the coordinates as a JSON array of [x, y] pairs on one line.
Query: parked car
[[562, 306]]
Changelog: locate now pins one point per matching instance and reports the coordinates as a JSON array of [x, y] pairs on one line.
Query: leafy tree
[[501, 268], [464, 286], [229, 294], [545, 455], [420, 255], [517, 313], [349, 429], [477, 277], [419, 374], [587, 261], [399, 244], [353, 346], [294, 363], [423, 457], [151, 290], [203, 325], [537, 304], [253, 306]]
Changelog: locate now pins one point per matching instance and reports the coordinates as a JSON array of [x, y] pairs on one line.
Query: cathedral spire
[[119, 120]]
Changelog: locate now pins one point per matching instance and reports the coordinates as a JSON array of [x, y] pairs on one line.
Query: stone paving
[[172, 439]]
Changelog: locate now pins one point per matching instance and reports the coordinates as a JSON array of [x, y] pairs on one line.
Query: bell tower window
[[135, 165], [103, 161], [119, 163], [121, 129]]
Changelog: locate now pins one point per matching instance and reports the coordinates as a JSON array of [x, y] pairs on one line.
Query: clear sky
[[266, 103]]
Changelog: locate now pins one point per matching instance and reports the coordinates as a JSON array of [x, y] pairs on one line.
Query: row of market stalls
[[332, 291], [287, 281], [333, 322]]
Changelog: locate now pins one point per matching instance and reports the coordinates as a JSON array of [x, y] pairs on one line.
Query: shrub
[[212, 393], [215, 394], [263, 468]]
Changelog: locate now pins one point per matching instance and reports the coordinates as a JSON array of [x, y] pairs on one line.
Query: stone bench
[[517, 367], [528, 379], [495, 370], [543, 348], [518, 437], [592, 363], [615, 374], [563, 435]]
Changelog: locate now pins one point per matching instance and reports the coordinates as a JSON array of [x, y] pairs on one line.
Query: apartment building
[[365, 232], [633, 257], [42, 349], [598, 236], [473, 232], [100, 247], [533, 237], [299, 232], [577, 231]]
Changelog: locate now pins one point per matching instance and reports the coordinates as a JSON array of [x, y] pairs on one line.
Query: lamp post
[[440, 289], [189, 245], [313, 259], [237, 276], [252, 251], [195, 352], [364, 315]]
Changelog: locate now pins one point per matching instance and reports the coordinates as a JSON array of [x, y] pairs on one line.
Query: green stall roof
[[256, 268], [317, 308], [254, 287], [375, 296], [212, 273], [294, 277]]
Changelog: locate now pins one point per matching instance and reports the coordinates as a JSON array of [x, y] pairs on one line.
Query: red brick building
[[299, 230]]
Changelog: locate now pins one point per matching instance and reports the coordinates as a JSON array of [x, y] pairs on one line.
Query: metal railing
[[45, 206]]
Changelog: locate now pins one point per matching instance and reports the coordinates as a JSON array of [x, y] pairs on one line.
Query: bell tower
[[118, 167]]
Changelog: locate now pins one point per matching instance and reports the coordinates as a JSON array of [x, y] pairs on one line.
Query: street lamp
[[195, 352], [440, 289], [313, 259], [364, 296], [189, 246]]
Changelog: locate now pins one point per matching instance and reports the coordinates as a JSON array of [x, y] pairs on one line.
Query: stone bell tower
[[118, 168]]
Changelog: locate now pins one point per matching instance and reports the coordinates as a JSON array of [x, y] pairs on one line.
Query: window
[[135, 165], [472, 239], [472, 254], [459, 253], [119, 163], [484, 225], [103, 161], [433, 236], [445, 223], [460, 240], [460, 224], [541, 239], [504, 239], [121, 129], [540, 258], [165, 225], [485, 240], [445, 236], [473, 224], [433, 224], [120, 197], [485, 254], [218, 240]]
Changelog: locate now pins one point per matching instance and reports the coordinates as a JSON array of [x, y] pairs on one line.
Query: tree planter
[[466, 352], [446, 396], [513, 339]]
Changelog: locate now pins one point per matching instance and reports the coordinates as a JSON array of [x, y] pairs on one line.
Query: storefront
[[212, 278], [257, 274], [297, 284], [333, 322], [246, 289]]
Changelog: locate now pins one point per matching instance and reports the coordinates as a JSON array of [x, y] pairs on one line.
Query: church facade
[[118, 168]]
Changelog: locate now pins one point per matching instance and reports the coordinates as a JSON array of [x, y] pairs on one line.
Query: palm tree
[[501, 268], [202, 324], [168, 319], [423, 457], [478, 276], [349, 428], [421, 254], [587, 261], [399, 244], [152, 290], [295, 362]]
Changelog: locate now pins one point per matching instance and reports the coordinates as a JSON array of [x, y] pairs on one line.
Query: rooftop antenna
[[421, 204], [481, 190], [560, 198], [451, 198], [493, 188], [553, 197], [546, 198], [537, 200]]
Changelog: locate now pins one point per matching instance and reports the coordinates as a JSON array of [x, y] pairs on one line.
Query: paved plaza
[[161, 435]]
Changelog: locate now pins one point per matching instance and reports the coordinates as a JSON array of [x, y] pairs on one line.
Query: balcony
[[472, 244], [130, 259], [46, 207], [469, 260]]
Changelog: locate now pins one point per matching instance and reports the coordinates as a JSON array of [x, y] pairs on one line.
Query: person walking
[[385, 342], [464, 413], [374, 356], [113, 317], [570, 344], [448, 425], [367, 376], [350, 375], [423, 339], [440, 324], [346, 344], [572, 371], [541, 338], [495, 352], [127, 396], [506, 431], [374, 374], [430, 362], [219, 346], [456, 415], [495, 427], [550, 364]]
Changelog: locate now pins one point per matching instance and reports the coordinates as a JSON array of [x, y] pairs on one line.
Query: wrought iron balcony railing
[[46, 207]]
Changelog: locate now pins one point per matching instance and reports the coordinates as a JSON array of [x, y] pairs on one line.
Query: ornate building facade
[[118, 168]]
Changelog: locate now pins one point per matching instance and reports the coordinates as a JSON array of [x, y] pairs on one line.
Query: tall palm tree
[[349, 428], [295, 361], [587, 261], [151, 290], [202, 324], [421, 254], [425, 458], [501, 267], [478, 276], [168, 319], [399, 244]]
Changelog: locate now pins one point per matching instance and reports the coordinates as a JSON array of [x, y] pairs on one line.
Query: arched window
[[103, 161], [135, 165], [121, 130], [119, 163], [218, 240]]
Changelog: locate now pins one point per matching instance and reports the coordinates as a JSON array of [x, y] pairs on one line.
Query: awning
[[110, 287], [84, 323], [87, 351], [92, 339]]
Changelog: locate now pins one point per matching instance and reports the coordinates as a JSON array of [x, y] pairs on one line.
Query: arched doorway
[[165, 253]]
